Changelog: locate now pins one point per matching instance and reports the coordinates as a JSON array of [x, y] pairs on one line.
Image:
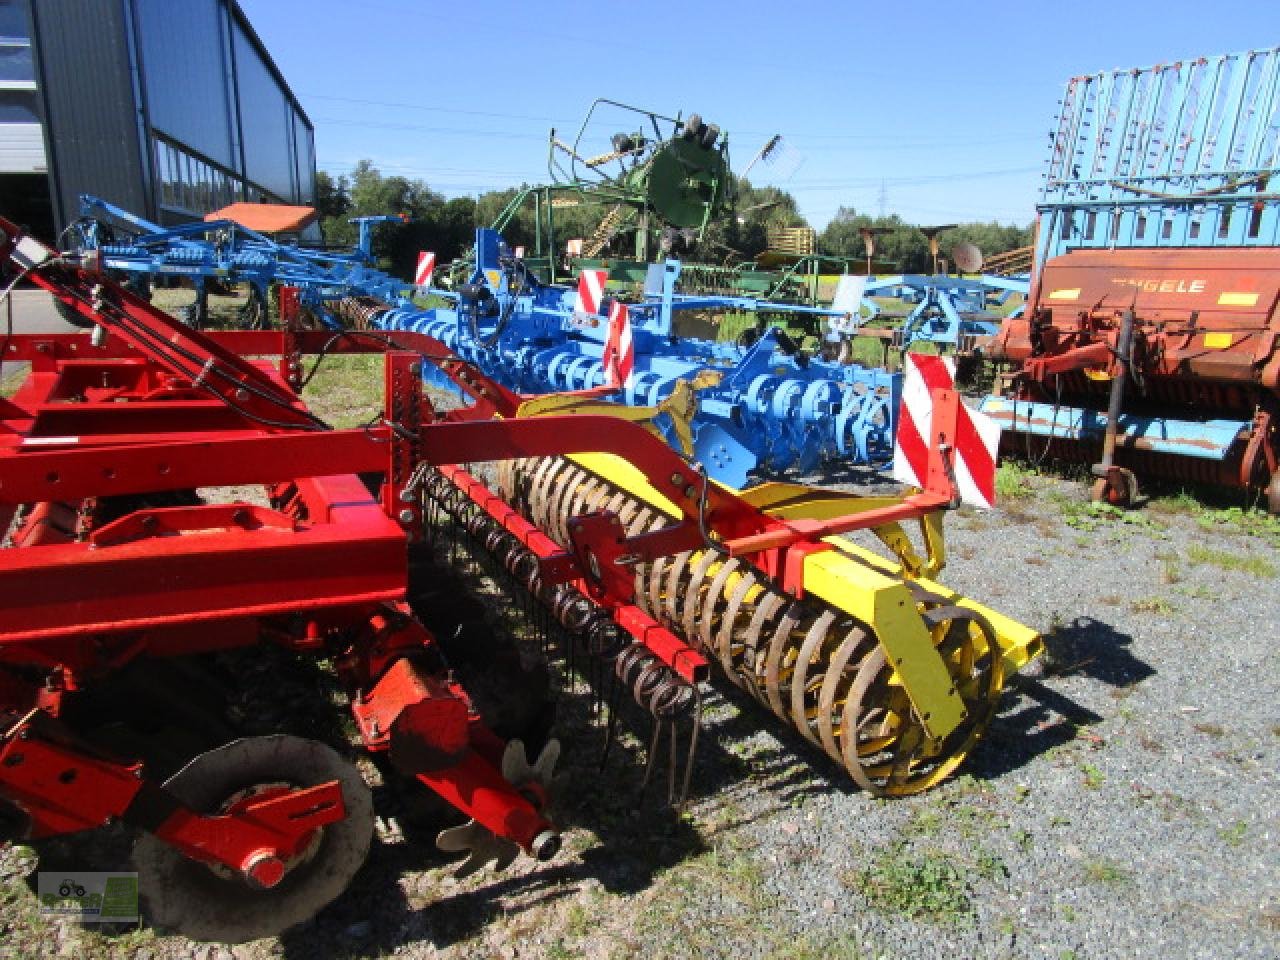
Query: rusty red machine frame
[[1149, 342], [1162, 334]]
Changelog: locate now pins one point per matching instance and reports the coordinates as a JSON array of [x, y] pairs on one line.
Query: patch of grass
[[579, 921], [347, 389], [1233, 836], [1249, 563], [558, 951], [1170, 568], [925, 823], [989, 866], [1091, 517], [1093, 777], [1104, 871], [1157, 605], [1198, 591], [1012, 481], [1068, 913], [924, 886], [1238, 521], [1211, 730]]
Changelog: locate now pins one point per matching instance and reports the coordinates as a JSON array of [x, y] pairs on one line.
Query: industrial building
[[170, 110]]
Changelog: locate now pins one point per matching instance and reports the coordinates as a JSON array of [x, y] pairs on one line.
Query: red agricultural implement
[[164, 492], [1151, 339]]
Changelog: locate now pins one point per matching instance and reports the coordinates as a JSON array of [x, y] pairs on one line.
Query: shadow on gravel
[[1040, 717], [1096, 650]]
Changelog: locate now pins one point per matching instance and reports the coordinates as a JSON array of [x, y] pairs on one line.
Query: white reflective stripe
[[591, 290], [28, 253], [917, 407], [48, 441], [989, 431], [426, 266]]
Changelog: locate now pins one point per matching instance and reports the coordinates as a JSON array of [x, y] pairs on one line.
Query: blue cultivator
[[949, 312], [733, 408], [225, 252], [766, 406]]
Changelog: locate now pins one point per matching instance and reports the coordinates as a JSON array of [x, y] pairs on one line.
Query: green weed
[[1233, 836], [1012, 481], [1157, 605], [1238, 521], [1104, 871], [346, 390], [1249, 563], [925, 886], [1093, 777]]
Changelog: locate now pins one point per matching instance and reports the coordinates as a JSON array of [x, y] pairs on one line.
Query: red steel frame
[[154, 406]]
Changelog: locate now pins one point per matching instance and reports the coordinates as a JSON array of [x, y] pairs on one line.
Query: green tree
[[432, 223], [905, 247], [333, 196]]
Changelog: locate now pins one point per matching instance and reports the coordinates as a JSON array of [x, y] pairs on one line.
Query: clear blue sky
[[947, 105]]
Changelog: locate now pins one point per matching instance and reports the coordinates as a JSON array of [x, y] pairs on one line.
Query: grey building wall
[[169, 109], [91, 116]]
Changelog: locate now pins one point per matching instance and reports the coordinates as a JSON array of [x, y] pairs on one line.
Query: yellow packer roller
[[891, 674]]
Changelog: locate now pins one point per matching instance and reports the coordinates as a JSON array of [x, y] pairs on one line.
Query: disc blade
[[207, 903]]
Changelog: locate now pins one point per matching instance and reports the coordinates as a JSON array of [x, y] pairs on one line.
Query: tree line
[[447, 226]]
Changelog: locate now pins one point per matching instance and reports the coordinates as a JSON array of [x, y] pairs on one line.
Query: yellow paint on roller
[[1217, 341], [1237, 299]]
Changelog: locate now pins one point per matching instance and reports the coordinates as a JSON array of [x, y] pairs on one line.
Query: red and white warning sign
[[974, 443], [619, 357], [591, 290], [426, 267]]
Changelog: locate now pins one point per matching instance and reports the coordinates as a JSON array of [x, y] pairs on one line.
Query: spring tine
[[779, 647], [695, 726], [809, 657], [671, 762], [611, 727], [651, 761], [679, 570], [691, 597], [839, 677]]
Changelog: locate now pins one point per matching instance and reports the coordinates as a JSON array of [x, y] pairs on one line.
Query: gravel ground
[[1126, 802]]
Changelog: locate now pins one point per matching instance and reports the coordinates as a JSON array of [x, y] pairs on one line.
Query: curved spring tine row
[[811, 664], [666, 696]]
